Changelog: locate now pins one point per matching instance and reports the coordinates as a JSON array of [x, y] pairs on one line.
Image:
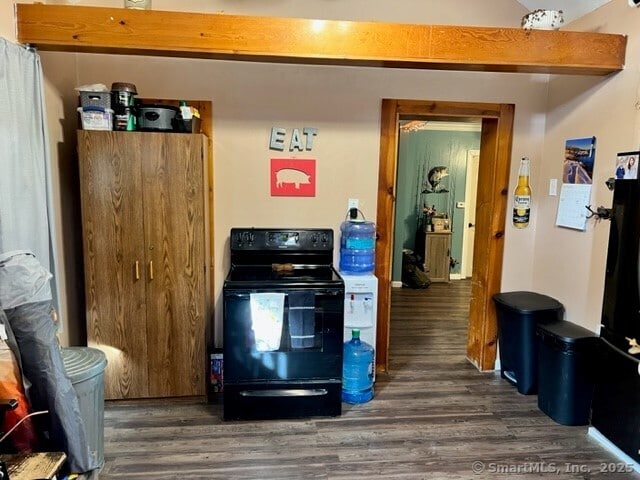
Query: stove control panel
[[278, 239]]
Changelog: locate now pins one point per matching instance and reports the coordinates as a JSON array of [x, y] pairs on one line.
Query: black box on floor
[[215, 377]]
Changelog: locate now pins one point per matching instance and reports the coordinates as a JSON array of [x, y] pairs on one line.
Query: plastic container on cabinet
[[96, 118]]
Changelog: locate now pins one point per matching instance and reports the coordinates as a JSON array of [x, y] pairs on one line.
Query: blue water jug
[[357, 370], [357, 245]]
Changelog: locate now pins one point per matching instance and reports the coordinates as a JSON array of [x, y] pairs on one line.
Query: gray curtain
[[25, 175]]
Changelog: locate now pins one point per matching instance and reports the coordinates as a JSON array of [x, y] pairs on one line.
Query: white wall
[[7, 27], [502, 13], [569, 264]]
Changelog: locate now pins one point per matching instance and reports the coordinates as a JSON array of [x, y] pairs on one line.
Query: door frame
[[491, 209]]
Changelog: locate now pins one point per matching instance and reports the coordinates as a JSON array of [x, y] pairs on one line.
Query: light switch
[[553, 187]]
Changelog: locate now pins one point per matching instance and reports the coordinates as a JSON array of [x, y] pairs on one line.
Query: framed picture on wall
[[627, 166], [293, 177], [579, 159]]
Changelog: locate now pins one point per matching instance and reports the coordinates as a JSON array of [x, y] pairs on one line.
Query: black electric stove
[[283, 324]]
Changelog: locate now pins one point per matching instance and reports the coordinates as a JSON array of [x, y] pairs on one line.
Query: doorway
[[433, 182], [493, 180], [469, 221]]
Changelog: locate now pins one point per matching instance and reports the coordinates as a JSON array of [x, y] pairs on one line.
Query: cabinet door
[[112, 221], [173, 177], [437, 251]]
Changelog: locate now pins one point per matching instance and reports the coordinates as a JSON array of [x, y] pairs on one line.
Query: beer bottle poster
[[522, 196]]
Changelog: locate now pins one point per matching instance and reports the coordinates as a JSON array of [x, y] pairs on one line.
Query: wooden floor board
[[434, 415]]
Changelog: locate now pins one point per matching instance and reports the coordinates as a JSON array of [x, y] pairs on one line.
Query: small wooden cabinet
[[143, 220], [437, 252]]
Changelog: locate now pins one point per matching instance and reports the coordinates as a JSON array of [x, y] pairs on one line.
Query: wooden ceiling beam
[[331, 42]]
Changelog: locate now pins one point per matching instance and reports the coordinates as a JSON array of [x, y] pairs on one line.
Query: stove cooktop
[[267, 275]]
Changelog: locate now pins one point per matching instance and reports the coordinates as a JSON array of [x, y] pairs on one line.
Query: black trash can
[[518, 315], [567, 361]]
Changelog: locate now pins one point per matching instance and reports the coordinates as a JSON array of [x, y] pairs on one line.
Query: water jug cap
[[355, 333]]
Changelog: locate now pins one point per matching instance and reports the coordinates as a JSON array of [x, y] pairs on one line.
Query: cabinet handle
[[151, 270], [137, 270]]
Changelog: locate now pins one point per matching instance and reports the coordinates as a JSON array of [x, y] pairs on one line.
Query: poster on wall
[[579, 157], [293, 177], [577, 177], [627, 166]]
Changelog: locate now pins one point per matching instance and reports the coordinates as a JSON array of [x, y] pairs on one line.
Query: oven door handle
[[285, 392]]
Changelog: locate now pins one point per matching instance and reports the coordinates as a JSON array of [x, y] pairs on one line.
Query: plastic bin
[[518, 314], [95, 99], [85, 368], [567, 361], [96, 118]]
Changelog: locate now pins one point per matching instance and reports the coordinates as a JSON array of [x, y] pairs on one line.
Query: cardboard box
[[440, 224], [217, 372]]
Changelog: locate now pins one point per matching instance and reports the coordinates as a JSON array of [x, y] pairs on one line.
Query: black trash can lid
[[567, 333], [526, 302]]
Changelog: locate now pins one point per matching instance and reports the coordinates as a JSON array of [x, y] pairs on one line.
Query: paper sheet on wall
[[572, 211]]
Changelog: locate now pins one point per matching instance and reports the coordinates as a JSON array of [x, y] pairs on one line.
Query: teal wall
[[418, 152]]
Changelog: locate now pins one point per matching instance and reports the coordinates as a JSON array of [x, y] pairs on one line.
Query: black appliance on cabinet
[[615, 411], [283, 316]]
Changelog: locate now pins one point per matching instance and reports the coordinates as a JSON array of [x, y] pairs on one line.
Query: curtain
[[26, 217]]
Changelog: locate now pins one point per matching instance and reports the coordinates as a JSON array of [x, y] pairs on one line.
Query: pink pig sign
[[292, 177]]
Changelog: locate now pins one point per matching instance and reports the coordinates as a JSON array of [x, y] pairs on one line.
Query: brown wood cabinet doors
[[173, 192], [143, 229], [112, 222]]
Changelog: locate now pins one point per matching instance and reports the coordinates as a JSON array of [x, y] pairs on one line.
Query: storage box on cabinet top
[[95, 99], [96, 118]]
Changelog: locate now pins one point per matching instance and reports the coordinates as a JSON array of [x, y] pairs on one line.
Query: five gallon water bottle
[[357, 245], [357, 370]]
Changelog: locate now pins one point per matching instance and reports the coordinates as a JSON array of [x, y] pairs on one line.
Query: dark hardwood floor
[[434, 416]]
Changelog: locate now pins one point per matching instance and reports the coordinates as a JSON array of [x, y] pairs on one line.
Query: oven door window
[[270, 335]]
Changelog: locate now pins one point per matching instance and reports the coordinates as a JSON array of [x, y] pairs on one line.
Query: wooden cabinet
[[143, 219], [437, 253]]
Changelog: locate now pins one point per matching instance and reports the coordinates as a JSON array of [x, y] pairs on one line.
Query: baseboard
[[606, 443], [453, 276]]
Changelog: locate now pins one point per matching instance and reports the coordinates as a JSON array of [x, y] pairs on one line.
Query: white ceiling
[[571, 9]]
